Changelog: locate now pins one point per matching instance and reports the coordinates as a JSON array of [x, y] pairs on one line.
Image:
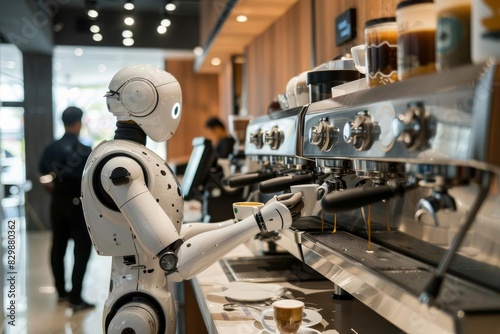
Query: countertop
[[338, 316]]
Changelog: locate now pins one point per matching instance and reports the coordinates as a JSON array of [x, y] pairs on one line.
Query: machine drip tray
[[408, 273], [264, 269]]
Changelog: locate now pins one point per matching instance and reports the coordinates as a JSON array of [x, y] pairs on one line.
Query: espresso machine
[[414, 201]]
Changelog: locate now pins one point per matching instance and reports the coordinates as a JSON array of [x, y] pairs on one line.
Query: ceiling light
[[170, 6], [129, 21], [198, 51], [128, 41], [97, 37], [128, 5], [127, 33], [241, 18], [92, 13], [101, 68], [161, 29], [166, 22], [215, 61], [95, 28], [78, 52]]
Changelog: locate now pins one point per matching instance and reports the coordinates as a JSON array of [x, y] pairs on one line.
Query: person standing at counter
[[223, 142], [63, 161]]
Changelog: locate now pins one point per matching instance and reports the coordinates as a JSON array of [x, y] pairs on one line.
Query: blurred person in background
[[61, 165], [222, 141]]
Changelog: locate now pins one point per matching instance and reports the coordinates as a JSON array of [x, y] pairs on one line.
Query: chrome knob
[[411, 128], [256, 139], [359, 132], [323, 135], [273, 137]]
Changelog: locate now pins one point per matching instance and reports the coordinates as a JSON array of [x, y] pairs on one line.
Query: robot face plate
[[148, 96]]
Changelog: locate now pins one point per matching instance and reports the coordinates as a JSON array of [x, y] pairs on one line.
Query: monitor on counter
[[202, 159]]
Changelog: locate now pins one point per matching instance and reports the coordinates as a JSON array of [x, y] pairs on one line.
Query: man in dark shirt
[[223, 142], [62, 165]]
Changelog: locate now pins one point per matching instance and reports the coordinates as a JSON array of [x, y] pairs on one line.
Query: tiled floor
[[35, 300], [37, 310]]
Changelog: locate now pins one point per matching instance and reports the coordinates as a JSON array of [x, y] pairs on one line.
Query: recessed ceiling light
[[128, 41], [92, 13], [161, 29], [95, 28], [166, 22], [129, 21], [128, 5], [241, 18], [170, 7], [78, 52], [101, 68], [215, 61], [127, 33], [198, 51], [97, 37]]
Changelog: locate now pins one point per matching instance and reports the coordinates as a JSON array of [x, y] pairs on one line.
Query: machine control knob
[[411, 128], [256, 138], [359, 132], [274, 137], [323, 135]]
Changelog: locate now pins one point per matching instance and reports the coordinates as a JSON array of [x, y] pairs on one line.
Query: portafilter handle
[[242, 180], [284, 182], [355, 198]]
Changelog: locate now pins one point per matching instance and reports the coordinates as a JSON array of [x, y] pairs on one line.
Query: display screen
[[345, 27], [201, 160]]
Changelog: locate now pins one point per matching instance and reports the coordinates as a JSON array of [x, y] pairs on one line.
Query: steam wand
[[432, 289]]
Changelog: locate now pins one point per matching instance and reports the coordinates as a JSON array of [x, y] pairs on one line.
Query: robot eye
[[176, 110]]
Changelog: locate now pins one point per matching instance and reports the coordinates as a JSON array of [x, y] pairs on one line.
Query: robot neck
[[130, 131]]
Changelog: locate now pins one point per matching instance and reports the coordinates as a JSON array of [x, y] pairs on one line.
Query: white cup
[[358, 54], [310, 197], [243, 210]]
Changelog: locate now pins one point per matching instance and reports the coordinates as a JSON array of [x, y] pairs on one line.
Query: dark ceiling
[[38, 25]]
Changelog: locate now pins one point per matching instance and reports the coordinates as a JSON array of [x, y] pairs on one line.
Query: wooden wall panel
[[280, 53], [327, 10], [200, 100], [226, 90], [285, 49]]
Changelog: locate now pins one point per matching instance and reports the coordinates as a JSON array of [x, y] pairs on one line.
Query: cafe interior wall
[[287, 48]]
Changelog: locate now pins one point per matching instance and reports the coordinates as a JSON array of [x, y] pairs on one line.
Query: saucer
[[302, 330], [251, 292], [309, 319]]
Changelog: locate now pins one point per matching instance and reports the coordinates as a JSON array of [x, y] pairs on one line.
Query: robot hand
[[293, 201]]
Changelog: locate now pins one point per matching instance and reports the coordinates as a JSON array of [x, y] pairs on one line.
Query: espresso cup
[[243, 210], [310, 197], [287, 316]]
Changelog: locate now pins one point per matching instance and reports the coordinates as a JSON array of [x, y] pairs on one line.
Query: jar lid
[[380, 20], [331, 77], [406, 3]]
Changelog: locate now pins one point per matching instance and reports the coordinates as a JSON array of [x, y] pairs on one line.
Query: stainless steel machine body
[[426, 256]]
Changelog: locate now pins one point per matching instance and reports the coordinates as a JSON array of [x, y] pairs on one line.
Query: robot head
[[148, 96]]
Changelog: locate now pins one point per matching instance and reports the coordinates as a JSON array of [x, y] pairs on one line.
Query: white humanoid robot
[[134, 208]]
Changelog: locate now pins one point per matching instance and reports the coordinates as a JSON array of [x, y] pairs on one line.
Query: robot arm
[[191, 229], [202, 250], [123, 180]]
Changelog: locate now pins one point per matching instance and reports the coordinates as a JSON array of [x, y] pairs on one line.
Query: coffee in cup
[[287, 316], [381, 38], [243, 210], [416, 22]]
